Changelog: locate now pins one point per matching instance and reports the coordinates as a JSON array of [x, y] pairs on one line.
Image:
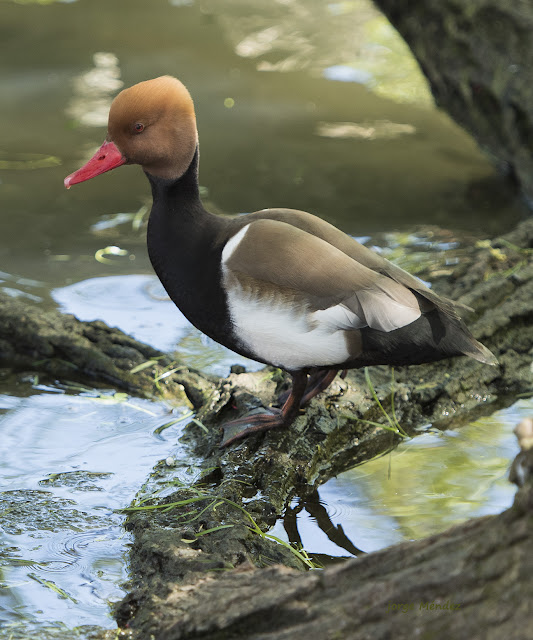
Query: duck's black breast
[[185, 244]]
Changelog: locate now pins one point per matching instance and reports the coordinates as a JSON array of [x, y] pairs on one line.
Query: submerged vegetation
[[394, 425]]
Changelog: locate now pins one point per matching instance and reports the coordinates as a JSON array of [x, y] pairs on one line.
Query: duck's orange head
[[151, 124]]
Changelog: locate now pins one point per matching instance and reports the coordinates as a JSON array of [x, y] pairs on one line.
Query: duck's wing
[[274, 263], [351, 247]]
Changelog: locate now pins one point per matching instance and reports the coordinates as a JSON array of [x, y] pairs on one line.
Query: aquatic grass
[[116, 397], [138, 408], [167, 371], [144, 365], [298, 551], [187, 416], [53, 586], [394, 425], [197, 514], [20, 562], [205, 532], [169, 483], [215, 501], [159, 430], [198, 423]]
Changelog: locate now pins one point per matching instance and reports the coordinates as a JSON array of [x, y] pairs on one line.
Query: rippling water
[[67, 462]]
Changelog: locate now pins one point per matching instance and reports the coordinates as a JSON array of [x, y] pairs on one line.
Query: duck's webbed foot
[[248, 425], [242, 427]]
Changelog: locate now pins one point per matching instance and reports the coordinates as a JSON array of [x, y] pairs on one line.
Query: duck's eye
[[139, 126]]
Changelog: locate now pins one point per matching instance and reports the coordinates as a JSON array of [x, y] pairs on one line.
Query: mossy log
[[61, 347], [477, 56], [472, 581], [264, 472]]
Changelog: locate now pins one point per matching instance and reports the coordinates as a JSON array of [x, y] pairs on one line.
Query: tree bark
[[477, 56], [472, 581]]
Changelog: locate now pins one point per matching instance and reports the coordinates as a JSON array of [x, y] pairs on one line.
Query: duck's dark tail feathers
[[479, 352], [458, 338], [434, 336]]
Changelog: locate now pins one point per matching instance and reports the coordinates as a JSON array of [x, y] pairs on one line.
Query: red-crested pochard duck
[[279, 286]]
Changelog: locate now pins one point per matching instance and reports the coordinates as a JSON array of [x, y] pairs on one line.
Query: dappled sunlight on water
[[426, 485], [95, 90], [359, 44]]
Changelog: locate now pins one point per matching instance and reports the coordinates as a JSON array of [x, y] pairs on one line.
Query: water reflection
[[366, 131], [343, 41], [94, 91], [426, 485]]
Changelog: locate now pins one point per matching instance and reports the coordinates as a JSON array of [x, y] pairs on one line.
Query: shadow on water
[[311, 105]]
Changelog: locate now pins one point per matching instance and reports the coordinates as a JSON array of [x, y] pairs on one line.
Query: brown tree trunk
[[477, 56]]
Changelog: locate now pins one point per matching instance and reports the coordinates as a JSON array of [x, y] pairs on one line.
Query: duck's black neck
[[182, 194], [185, 243]]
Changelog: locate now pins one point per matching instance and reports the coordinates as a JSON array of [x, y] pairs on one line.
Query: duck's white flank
[[282, 335], [276, 331]]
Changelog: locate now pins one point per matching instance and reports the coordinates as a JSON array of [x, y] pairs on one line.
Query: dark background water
[[258, 72]]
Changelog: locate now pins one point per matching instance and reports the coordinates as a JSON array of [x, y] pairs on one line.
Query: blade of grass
[[143, 366], [222, 526], [166, 374], [160, 429], [393, 422], [137, 408], [199, 424], [380, 425], [51, 585], [299, 553], [254, 527], [375, 396]]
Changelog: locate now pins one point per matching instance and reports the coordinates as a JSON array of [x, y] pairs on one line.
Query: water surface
[[69, 459]]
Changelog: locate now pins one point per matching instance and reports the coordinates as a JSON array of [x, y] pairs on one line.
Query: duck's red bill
[[106, 158]]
